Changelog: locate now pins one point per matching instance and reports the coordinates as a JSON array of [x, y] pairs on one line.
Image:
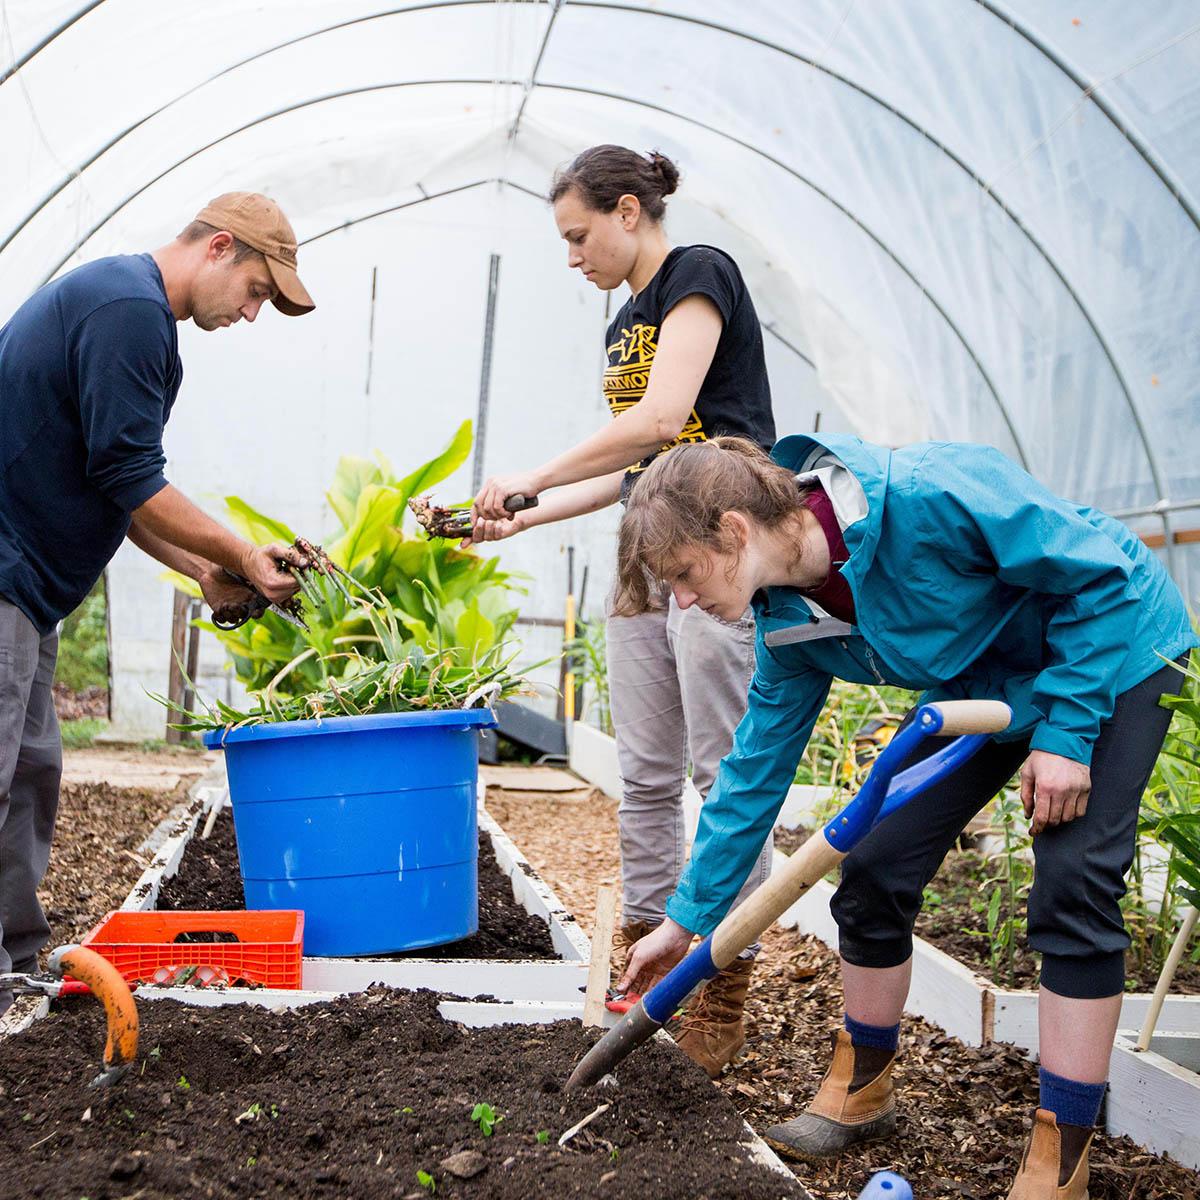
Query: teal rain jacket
[[970, 580]]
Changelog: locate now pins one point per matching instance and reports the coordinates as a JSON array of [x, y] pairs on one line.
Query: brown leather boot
[[1043, 1165], [845, 1110], [712, 1031]]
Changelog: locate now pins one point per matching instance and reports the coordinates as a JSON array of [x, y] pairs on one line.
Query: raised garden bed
[[954, 921], [208, 879], [355, 1097], [528, 947]]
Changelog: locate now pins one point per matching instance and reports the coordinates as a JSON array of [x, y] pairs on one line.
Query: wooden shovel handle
[[742, 927], [972, 716], [105, 981]]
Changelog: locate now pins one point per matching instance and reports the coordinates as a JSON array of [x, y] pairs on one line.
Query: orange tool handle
[[105, 981]]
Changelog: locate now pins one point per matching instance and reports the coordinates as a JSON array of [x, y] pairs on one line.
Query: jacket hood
[[870, 467]]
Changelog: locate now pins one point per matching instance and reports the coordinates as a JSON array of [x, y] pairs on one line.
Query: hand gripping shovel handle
[[113, 992], [882, 794]]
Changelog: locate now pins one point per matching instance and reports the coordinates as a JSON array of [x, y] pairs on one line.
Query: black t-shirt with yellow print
[[735, 397]]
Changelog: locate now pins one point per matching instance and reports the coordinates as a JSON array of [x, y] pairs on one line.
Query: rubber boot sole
[[810, 1138]]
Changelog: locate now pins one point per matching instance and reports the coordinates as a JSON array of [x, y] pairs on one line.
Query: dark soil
[[954, 919], [956, 1140], [353, 1098], [208, 879]]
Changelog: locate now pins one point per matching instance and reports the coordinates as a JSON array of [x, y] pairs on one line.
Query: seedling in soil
[[486, 1117], [427, 1181], [251, 1161], [156, 1052], [542, 1136], [614, 1154], [183, 1083]]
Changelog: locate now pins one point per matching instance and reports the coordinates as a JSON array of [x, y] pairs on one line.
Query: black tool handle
[[519, 503]]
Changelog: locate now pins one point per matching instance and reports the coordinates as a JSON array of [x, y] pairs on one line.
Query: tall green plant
[[441, 598], [589, 661], [1171, 815]]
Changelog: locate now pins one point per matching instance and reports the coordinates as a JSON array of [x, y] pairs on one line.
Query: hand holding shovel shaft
[[881, 795]]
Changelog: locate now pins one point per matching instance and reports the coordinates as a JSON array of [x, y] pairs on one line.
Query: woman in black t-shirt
[[684, 363]]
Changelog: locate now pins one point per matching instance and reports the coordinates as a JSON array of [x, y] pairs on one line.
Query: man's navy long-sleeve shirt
[[89, 370]]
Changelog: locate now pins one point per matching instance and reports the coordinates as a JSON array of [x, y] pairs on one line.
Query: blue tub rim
[[444, 718]]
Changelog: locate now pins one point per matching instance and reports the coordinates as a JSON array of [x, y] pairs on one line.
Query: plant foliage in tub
[[413, 624]]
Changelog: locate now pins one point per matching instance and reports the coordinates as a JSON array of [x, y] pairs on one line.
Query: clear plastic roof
[[960, 218]]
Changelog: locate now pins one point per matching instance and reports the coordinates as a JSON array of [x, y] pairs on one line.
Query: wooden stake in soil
[[1165, 979], [602, 935], [181, 604], [213, 813]]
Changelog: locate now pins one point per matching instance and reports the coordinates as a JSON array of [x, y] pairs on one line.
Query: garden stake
[[598, 972], [95, 973], [1167, 977], [971, 720]]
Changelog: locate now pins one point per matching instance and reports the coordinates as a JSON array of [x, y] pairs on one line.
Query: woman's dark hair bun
[[603, 174], [667, 169]]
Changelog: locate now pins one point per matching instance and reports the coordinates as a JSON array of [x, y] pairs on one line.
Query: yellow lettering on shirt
[[630, 358]]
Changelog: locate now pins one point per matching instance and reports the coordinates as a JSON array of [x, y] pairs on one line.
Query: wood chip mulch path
[[964, 1110], [94, 859]]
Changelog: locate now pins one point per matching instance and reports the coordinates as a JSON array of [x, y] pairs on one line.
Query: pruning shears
[[92, 973], [971, 720], [234, 616]]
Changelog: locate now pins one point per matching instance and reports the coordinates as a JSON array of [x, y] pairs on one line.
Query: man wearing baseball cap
[[89, 370]]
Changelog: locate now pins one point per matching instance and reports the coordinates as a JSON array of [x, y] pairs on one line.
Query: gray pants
[[30, 770], [679, 680]]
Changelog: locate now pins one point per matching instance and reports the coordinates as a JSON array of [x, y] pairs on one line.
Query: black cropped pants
[[1074, 911]]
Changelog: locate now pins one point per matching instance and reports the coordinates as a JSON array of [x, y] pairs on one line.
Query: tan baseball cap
[[259, 222]]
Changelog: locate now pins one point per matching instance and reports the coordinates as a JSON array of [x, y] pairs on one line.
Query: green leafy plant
[[856, 723], [1006, 919], [486, 1117], [427, 1181], [406, 623], [438, 594], [183, 1083], [542, 1136], [1168, 849], [589, 661], [83, 643]]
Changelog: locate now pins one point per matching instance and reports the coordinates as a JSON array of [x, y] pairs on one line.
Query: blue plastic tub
[[366, 823]]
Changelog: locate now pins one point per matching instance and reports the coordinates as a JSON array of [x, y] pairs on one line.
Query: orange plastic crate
[[267, 953]]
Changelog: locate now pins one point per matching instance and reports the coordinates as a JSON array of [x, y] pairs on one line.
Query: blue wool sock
[[878, 1037], [1071, 1102]]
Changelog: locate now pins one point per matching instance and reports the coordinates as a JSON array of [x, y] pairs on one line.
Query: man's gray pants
[[30, 770], [679, 681]]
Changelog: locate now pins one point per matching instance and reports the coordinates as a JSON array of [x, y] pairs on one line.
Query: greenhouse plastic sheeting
[[959, 219]]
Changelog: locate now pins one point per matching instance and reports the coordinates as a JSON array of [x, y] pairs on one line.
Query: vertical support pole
[[598, 971], [566, 677], [108, 644], [193, 663], [180, 605], [371, 332], [485, 375]]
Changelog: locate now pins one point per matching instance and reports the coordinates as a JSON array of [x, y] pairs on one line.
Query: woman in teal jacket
[[942, 568]]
